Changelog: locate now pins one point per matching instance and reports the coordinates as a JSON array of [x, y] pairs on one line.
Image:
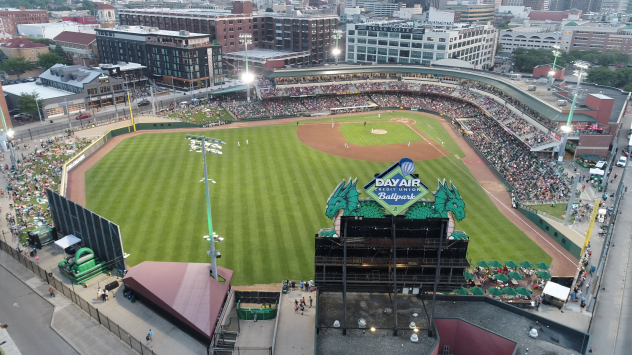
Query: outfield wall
[[559, 237]]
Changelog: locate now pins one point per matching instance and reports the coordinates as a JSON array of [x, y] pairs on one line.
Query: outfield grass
[[558, 211], [268, 202], [360, 133]]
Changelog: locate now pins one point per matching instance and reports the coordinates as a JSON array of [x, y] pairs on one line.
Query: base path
[[563, 264], [323, 137]]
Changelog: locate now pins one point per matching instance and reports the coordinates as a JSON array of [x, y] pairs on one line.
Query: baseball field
[[270, 194]]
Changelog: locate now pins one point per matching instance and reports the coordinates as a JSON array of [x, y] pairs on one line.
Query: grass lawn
[[358, 133], [558, 211], [268, 201]]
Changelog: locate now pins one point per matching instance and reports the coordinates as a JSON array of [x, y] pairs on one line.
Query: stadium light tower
[[568, 128], [556, 53], [214, 147], [337, 35], [246, 39], [8, 135]]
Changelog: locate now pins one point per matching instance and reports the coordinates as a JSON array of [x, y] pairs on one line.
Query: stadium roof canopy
[[229, 90], [184, 293], [484, 77]]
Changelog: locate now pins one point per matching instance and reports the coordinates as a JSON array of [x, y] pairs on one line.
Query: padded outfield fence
[[58, 285]]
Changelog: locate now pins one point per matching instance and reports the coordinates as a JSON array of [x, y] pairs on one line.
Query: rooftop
[[105, 7], [44, 92], [76, 37], [21, 43], [75, 75], [123, 66], [217, 13], [154, 31], [377, 310], [263, 55]]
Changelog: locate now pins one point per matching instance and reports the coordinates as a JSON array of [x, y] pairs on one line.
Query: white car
[[622, 161]]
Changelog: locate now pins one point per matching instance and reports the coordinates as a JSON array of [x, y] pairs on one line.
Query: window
[[404, 44], [372, 34], [351, 40], [362, 40], [230, 29], [393, 35], [393, 43], [405, 36], [230, 22], [429, 39], [415, 54], [382, 42], [371, 50], [351, 32], [361, 57], [418, 37], [361, 49], [428, 46], [441, 39], [441, 47], [404, 53], [92, 91], [416, 45], [427, 55], [384, 34], [239, 28], [392, 52], [372, 41], [350, 49], [381, 51], [440, 56], [361, 33]]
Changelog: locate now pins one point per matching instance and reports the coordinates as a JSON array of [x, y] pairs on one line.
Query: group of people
[[533, 177], [35, 171]]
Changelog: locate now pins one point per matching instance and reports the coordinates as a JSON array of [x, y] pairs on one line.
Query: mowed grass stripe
[[268, 202], [363, 133]]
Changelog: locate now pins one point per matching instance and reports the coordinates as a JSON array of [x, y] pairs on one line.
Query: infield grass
[[361, 133], [268, 202]]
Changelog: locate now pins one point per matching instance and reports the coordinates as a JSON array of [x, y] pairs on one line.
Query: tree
[[47, 60], [27, 103], [46, 41], [600, 76], [504, 26], [60, 51], [499, 47], [17, 66], [269, 9], [3, 57]]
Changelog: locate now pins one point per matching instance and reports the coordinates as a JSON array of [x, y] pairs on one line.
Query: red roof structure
[[555, 16], [76, 37], [105, 7], [22, 43], [184, 293]]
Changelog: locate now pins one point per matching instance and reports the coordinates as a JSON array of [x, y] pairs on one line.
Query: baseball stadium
[[313, 153]]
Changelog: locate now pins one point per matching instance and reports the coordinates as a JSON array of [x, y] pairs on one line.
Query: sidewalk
[[295, 334], [82, 332]]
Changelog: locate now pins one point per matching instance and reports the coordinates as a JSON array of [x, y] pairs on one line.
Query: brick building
[[22, 47], [80, 48], [283, 32], [11, 18], [584, 36]]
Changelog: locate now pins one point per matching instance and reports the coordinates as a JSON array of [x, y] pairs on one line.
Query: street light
[[337, 35], [568, 128], [214, 148], [246, 39], [37, 105]]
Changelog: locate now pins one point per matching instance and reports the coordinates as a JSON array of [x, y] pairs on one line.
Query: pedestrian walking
[[102, 297], [51, 291], [301, 285], [107, 295], [99, 292], [246, 142], [303, 300], [615, 176], [296, 308], [36, 259], [150, 336], [302, 309], [310, 301], [238, 145]]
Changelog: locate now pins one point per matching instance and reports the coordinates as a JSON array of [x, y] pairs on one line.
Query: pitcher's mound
[[378, 131]]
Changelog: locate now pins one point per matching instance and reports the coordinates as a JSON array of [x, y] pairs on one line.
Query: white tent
[[556, 290], [597, 172], [67, 241]]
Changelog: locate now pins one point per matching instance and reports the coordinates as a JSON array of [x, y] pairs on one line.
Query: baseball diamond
[[269, 197]]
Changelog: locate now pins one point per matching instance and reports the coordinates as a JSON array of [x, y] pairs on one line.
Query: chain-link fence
[[57, 284]]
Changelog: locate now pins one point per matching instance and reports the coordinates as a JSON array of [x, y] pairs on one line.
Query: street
[[28, 317]]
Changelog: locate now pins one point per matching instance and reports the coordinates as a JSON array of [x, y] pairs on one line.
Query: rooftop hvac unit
[[154, 29], [531, 88], [561, 102], [183, 33]]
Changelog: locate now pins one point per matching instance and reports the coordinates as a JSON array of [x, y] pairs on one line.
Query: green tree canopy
[[16, 66], [526, 59], [620, 78], [46, 41], [27, 104], [47, 60], [503, 26], [59, 51], [269, 9], [3, 57]]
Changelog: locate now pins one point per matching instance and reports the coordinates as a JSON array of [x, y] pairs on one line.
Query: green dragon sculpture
[[345, 201]]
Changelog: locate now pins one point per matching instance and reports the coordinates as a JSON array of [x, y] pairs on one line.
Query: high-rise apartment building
[[283, 32], [465, 12]]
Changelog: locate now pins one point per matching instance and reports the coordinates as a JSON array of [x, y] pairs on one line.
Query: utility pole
[[153, 104], [68, 114], [38, 109]]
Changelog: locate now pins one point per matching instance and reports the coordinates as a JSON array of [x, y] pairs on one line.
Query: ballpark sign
[[396, 188]]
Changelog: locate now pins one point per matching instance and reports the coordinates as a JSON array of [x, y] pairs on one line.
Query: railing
[[58, 285], [401, 262]]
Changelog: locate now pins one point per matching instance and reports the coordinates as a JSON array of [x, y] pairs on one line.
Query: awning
[[556, 290], [229, 90], [67, 241]]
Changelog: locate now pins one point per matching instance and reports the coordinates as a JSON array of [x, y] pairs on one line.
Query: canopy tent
[[556, 290], [67, 241], [597, 172]]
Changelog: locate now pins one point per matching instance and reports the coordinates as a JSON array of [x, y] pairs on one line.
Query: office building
[[465, 12], [11, 18], [51, 30], [529, 38], [537, 5], [282, 32], [181, 58], [80, 48], [67, 90], [405, 43], [583, 36], [21, 47]]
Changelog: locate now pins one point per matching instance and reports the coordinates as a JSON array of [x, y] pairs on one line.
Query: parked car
[[22, 117], [15, 111], [30, 79], [622, 161], [84, 115], [144, 103]]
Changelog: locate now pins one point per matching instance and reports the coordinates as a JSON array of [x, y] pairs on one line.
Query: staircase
[[539, 148]]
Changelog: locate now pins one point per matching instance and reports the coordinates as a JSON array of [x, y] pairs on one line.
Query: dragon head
[[447, 199], [344, 197]]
